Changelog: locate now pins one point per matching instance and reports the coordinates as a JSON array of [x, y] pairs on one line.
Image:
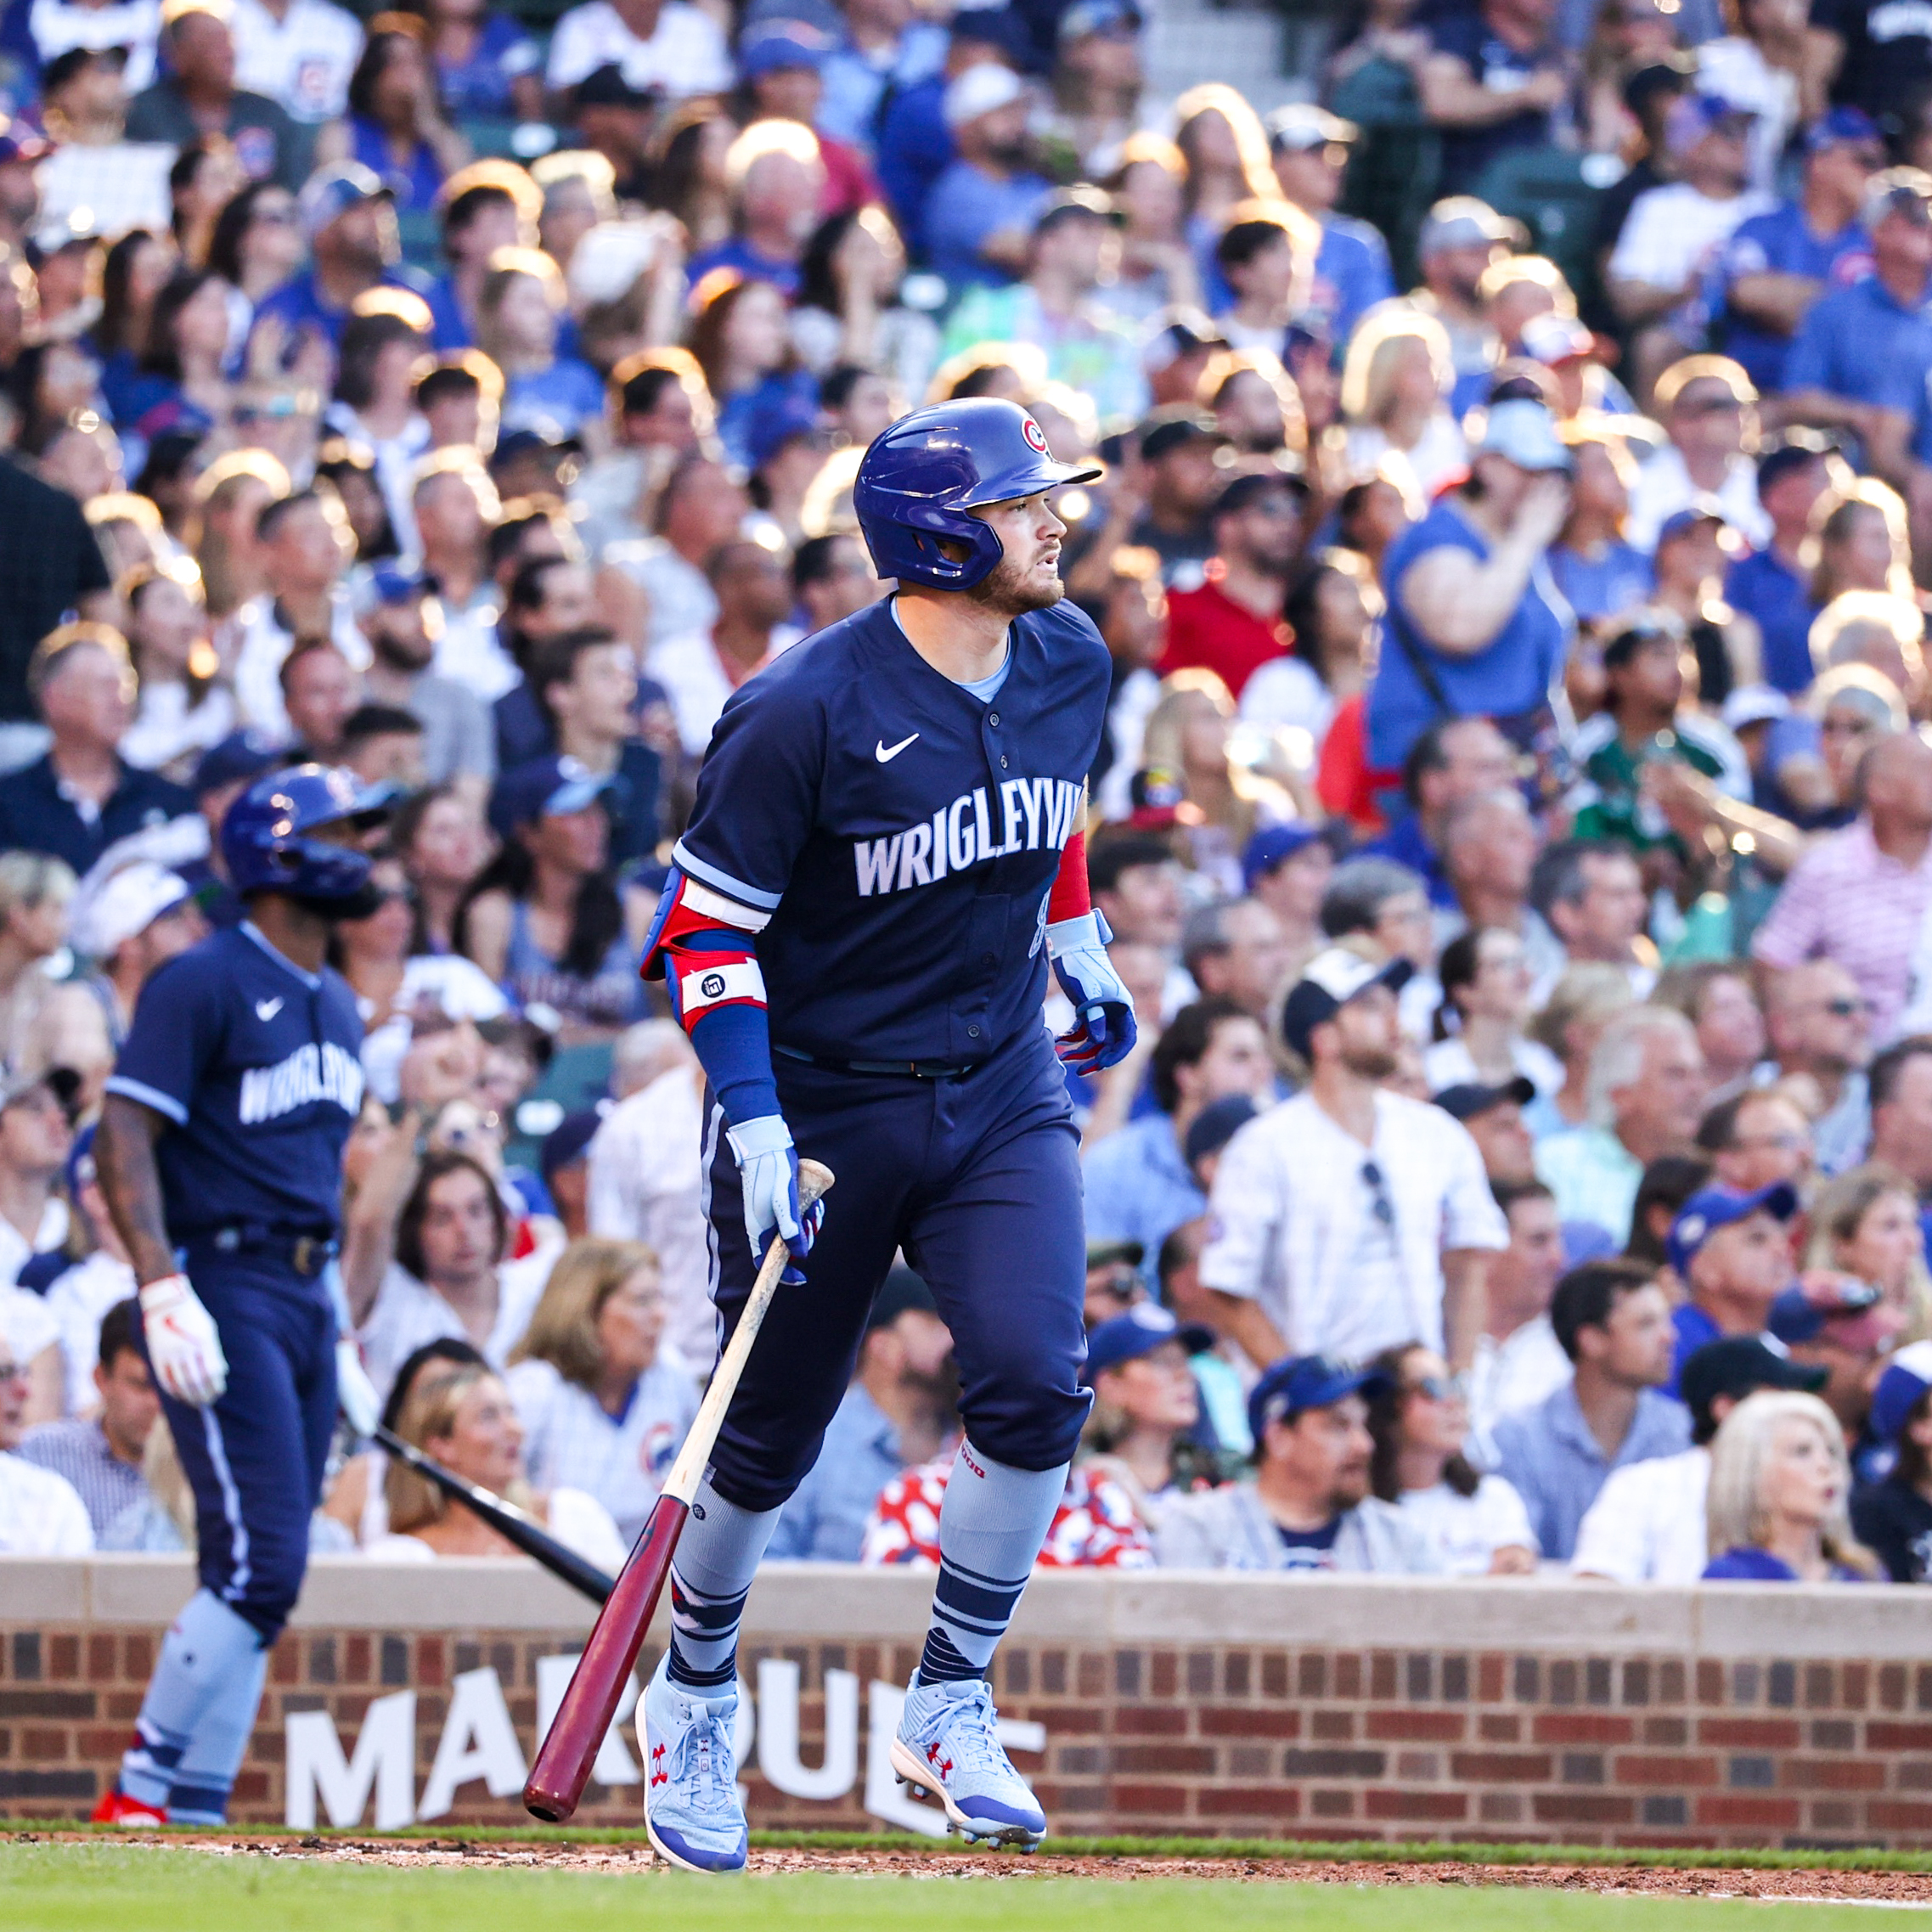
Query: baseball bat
[[563, 1764], [517, 1525]]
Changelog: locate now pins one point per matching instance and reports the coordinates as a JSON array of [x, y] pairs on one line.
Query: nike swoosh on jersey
[[266, 1010], [886, 753]]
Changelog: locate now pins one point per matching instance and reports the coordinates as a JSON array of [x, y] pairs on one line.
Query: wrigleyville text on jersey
[[1034, 814]]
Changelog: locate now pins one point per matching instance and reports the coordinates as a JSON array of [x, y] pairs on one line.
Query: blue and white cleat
[[691, 1776], [949, 1747]]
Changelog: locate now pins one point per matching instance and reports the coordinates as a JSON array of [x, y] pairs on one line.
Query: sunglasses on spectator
[[274, 217], [1433, 1387], [1120, 1282], [1383, 1206], [13, 1371], [1844, 1008]]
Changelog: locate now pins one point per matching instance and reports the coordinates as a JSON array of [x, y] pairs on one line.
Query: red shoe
[[118, 1808]]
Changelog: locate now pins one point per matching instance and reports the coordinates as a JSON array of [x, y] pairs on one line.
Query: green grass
[[1417, 1852], [122, 1888]]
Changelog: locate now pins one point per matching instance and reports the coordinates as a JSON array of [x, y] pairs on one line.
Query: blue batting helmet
[[917, 482], [264, 834]]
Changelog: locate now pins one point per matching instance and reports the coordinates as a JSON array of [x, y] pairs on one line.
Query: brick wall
[[1648, 1728]]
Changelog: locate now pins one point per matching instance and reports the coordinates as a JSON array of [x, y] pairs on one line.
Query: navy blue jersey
[[256, 1066], [901, 833]]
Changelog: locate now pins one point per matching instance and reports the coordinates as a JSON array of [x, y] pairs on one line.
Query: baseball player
[[885, 852], [220, 1153]]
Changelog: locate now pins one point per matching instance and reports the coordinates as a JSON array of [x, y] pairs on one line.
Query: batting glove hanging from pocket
[[768, 1169], [1103, 1033]]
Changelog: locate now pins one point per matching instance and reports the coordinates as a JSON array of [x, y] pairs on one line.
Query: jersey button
[[989, 959], [1004, 760], [994, 720], [973, 1032]]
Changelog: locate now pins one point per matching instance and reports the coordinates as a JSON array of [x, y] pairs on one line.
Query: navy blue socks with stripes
[[711, 1576]]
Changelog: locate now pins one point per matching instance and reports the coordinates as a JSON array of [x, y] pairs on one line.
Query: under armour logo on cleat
[[266, 1009], [658, 1774], [886, 753]]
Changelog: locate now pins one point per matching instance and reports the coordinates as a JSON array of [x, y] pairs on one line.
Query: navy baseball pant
[[255, 1458], [977, 1176]]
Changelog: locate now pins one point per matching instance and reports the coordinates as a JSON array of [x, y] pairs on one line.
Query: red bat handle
[[563, 1763]]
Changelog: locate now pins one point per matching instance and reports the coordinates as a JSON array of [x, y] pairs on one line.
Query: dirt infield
[[1814, 1884]]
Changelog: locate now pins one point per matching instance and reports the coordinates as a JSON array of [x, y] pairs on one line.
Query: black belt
[[305, 1254], [907, 1069]]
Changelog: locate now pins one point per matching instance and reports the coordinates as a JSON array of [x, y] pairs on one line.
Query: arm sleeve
[[1791, 932], [178, 1024], [1070, 898], [1471, 1217]]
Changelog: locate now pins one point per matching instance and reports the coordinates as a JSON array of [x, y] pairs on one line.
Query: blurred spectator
[[1716, 997], [319, 692], [1137, 1182], [1059, 305], [133, 919], [441, 839], [1136, 885], [1893, 1517], [94, 179], [1288, 869], [1779, 1484], [982, 206], [198, 95], [605, 1407], [1769, 585], [1645, 1097], [884, 47], [1590, 893], [1451, 761], [699, 671], [519, 307], [1458, 241], [545, 921], [182, 709], [467, 1421], [1396, 388], [1478, 1027], [82, 797], [1489, 857], [898, 1413], [1179, 449], [1708, 408], [1310, 1507], [1236, 947], [1850, 1338], [1350, 1218], [1865, 1224], [1818, 1024], [1159, 281], [1475, 1524], [1859, 896], [741, 339], [40, 1513], [665, 45], [299, 54], [1231, 624], [1384, 904], [487, 66], [349, 217], [1494, 1117], [1732, 1252], [1598, 572], [777, 179], [1518, 1359], [101, 1454], [257, 245], [833, 577], [307, 547], [1756, 1138], [1647, 1523], [1469, 627], [1614, 1322], [488, 205], [1309, 148], [1901, 1084], [1143, 1430], [1333, 611], [395, 616], [1491, 85], [36, 893]]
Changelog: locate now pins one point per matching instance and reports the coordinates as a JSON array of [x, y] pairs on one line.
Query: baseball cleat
[[690, 1778], [117, 1808], [949, 1747]]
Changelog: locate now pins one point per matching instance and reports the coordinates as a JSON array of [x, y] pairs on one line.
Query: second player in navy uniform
[[885, 855], [220, 1152]]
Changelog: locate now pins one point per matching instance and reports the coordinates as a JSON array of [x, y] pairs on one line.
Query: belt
[[906, 1069], [305, 1254]]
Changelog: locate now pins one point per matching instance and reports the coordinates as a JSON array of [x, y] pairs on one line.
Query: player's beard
[[1009, 591]]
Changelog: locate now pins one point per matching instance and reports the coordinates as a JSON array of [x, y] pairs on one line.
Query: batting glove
[[767, 1167], [355, 1394], [1103, 1032], [183, 1346]]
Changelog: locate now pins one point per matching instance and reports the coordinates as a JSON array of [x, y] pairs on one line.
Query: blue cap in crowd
[[1524, 433], [1907, 1376], [774, 46], [1298, 1383], [1272, 846], [1689, 518], [568, 1141], [390, 584], [330, 193], [1216, 1124], [242, 754], [1144, 1327], [545, 788], [1844, 127], [1714, 1208]]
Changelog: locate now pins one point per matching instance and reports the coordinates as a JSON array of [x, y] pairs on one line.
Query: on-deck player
[[220, 1152], [885, 852]]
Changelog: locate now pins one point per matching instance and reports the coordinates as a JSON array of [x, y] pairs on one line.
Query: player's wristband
[[1090, 932], [165, 1296]]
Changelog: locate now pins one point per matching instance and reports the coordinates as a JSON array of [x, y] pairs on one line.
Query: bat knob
[[814, 1178]]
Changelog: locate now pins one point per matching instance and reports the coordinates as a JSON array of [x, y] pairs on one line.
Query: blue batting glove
[[768, 1168], [1103, 1033]]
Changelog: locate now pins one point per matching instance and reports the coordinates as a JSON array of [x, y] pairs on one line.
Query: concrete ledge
[[827, 1601]]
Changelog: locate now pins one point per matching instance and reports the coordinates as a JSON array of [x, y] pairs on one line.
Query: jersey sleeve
[[177, 1025], [757, 793]]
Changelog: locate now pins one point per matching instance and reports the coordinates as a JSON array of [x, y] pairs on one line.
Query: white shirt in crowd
[[165, 727], [1441, 454], [569, 1439], [1664, 486], [27, 1323], [456, 986], [1447, 1063], [1517, 1372], [15, 1252], [264, 645], [1672, 233], [56, 28], [647, 1169], [1293, 1223], [303, 60], [40, 1513], [408, 1312], [697, 684], [686, 55], [1466, 1531], [1646, 1525], [680, 595], [470, 651], [578, 1522], [1285, 694], [77, 1302], [121, 186]]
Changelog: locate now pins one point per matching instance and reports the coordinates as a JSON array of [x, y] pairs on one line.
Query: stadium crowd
[[1514, 815]]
